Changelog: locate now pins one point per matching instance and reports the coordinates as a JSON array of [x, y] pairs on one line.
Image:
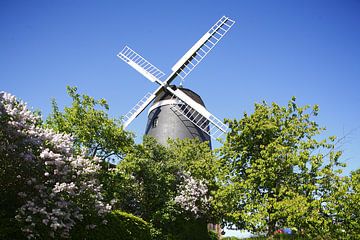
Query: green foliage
[[119, 226], [11, 165], [147, 182], [9, 228], [213, 235], [189, 229], [351, 210], [279, 173], [230, 238], [346, 208], [88, 122], [147, 179], [274, 172]]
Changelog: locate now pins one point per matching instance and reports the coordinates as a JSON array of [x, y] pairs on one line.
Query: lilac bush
[[193, 195], [56, 187]]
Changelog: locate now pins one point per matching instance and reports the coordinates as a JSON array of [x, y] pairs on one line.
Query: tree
[[89, 124], [169, 186], [157, 183], [279, 173], [91, 127], [44, 185], [345, 207]]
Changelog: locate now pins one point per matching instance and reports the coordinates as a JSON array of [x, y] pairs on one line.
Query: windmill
[[177, 112]]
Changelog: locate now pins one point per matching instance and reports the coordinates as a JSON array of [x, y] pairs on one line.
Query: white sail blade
[[138, 108], [198, 115], [140, 64], [201, 48]]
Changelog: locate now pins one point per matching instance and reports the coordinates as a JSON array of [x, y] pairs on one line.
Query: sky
[[276, 50]]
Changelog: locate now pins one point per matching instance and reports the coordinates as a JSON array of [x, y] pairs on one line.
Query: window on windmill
[[155, 122]]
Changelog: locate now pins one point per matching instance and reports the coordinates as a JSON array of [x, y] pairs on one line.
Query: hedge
[[120, 226]]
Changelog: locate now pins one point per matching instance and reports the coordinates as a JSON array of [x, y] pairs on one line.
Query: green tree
[[346, 208], [279, 173], [87, 120], [169, 186], [151, 184]]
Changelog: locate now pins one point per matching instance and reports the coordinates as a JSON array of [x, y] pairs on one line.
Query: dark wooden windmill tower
[[165, 121], [177, 112]]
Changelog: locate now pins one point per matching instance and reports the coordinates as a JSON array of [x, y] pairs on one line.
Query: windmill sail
[[198, 114], [184, 105], [201, 48], [214, 130], [140, 64], [137, 109]]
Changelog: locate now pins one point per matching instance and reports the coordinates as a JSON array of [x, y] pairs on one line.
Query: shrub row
[[120, 225]]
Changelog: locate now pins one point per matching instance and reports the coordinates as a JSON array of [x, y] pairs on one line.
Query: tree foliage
[[88, 122], [153, 183], [161, 184], [279, 173], [346, 208], [273, 171]]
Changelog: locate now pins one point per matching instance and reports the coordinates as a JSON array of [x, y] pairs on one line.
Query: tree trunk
[[271, 227]]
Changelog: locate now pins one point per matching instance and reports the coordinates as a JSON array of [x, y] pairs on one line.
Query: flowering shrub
[[193, 195], [52, 188]]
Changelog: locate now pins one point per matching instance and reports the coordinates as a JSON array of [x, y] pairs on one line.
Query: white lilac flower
[[193, 195], [45, 206]]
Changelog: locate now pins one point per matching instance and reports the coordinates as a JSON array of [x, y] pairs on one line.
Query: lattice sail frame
[[212, 126], [137, 109], [140, 64], [202, 47]]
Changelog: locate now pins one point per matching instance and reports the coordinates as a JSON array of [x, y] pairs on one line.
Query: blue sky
[[276, 49]]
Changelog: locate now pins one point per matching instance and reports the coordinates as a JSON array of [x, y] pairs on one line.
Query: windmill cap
[[165, 95], [166, 98]]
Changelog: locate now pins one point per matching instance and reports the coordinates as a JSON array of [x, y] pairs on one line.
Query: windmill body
[[165, 122], [177, 112]]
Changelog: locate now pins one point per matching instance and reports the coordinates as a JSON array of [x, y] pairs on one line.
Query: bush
[[213, 235], [45, 185], [187, 229], [9, 228], [120, 226]]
